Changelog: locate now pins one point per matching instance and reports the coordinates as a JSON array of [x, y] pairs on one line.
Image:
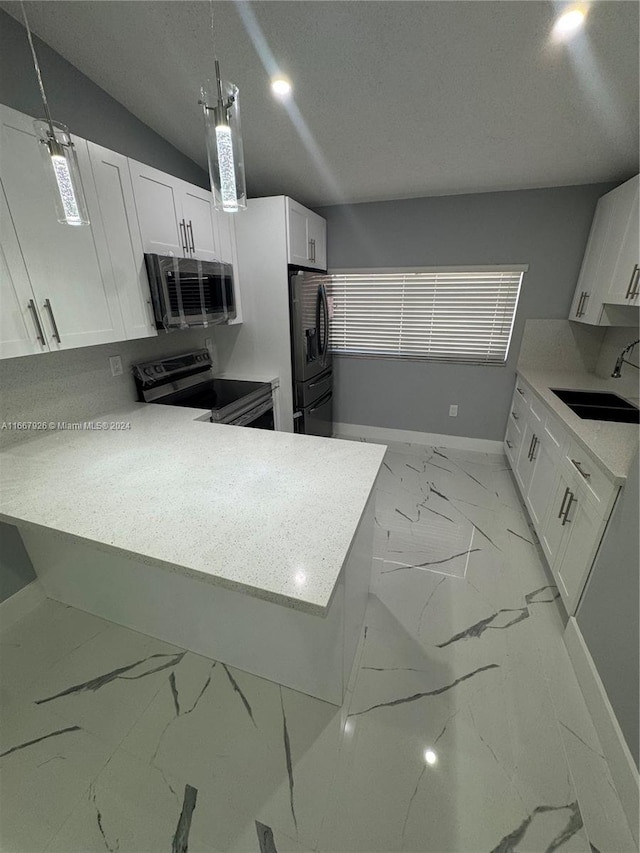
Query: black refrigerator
[[309, 312]]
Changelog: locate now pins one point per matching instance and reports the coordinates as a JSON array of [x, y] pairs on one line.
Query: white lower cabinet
[[568, 496]]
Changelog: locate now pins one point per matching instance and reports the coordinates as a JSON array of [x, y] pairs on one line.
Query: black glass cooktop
[[215, 394]]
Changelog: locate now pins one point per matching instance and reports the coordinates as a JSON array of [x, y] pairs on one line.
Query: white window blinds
[[450, 314]]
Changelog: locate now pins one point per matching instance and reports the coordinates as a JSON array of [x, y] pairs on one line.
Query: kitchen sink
[[599, 406]]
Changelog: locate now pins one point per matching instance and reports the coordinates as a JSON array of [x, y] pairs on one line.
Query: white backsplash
[[76, 385], [565, 346], [614, 342]]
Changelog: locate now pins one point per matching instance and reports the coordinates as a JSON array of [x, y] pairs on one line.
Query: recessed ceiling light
[[280, 86], [430, 757], [568, 24]]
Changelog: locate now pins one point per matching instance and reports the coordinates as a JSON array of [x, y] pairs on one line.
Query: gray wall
[[75, 384], [609, 616], [85, 108], [545, 228]]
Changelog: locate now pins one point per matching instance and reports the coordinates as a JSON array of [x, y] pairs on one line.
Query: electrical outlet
[[453, 411], [115, 362]]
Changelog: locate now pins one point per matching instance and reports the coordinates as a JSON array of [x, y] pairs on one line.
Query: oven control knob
[[158, 368], [149, 371]]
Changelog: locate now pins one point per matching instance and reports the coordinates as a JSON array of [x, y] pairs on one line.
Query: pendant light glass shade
[[224, 145], [59, 155]]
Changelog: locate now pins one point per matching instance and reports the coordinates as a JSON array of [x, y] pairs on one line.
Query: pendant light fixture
[[224, 141], [59, 155]]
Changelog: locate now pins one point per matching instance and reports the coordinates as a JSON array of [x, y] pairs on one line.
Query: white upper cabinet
[[158, 200], [625, 283], [307, 237], [610, 269], [21, 331], [66, 265], [200, 223], [176, 218], [124, 242]]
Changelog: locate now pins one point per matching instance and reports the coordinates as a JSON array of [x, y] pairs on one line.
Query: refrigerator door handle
[[321, 402]]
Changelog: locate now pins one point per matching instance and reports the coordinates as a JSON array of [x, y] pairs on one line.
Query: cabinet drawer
[[591, 477], [518, 414]]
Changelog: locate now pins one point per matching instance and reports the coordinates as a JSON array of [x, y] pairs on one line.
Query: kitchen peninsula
[[247, 546]]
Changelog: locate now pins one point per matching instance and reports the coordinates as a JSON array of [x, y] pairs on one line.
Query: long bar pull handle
[[534, 448], [36, 320], [565, 518], [580, 469], [183, 237], [566, 494], [56, 333], [635, 278], [310, 252], [190, 230], [631, 283], [531, 446], [580, 301]]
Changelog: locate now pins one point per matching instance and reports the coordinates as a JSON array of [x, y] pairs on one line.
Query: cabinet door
[[318, 241], [586, 306], [512, 441], [199, 217], [20, 334], [158, 199], [298, 234], [542, 484], [124, 243], [77, 304], [585, 528], [625, 284], [524, 465], [554, 532]]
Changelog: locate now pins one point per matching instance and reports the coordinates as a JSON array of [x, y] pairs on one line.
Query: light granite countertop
[[269, 513], [612, 445]]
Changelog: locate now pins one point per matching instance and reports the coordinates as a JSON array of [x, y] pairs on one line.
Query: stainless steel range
[[188, 380]]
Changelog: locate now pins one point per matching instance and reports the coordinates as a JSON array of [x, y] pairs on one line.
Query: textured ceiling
[[392, 99]]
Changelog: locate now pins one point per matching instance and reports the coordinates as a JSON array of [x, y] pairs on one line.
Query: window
[[451, 314]]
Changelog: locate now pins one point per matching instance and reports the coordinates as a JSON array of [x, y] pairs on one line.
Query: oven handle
[[251, 415]]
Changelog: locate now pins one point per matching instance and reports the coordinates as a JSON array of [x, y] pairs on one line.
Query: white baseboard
[[621, 764], [384, 434], [22, 602]]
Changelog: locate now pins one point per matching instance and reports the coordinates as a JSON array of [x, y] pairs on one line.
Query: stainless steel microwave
[[186, 292]]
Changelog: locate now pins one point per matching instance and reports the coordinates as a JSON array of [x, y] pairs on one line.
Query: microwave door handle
[[178, 285]]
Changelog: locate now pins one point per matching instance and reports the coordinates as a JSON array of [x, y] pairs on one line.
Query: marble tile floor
[[463, 729]]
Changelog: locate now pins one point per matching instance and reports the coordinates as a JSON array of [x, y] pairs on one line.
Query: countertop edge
[[556, 407]]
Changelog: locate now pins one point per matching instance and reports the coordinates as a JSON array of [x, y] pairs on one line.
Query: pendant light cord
[[45, 103], [215, 59]]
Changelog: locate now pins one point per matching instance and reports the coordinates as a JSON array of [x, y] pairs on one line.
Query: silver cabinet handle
[[189, 229], [566, 495], [56, 333], [508, 443], [531, 449], [520, 391], [578, 314], [36, 320], [310, 252], [565, 518], [514, 416], [583, 298], [632, 290], [312, 249], [580, 469], [183, 237], [534, 448]]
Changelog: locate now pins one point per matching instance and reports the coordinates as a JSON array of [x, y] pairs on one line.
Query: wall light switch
[[453, 411], [115, 363]]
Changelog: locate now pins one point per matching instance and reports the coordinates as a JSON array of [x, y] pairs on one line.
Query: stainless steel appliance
[[188, 380], [311, 361], [187, 292]]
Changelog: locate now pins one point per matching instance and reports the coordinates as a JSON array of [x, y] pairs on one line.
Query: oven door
[[258, 417], [187, 292]]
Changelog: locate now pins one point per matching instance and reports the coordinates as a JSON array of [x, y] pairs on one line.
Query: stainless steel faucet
[[617, 370]]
